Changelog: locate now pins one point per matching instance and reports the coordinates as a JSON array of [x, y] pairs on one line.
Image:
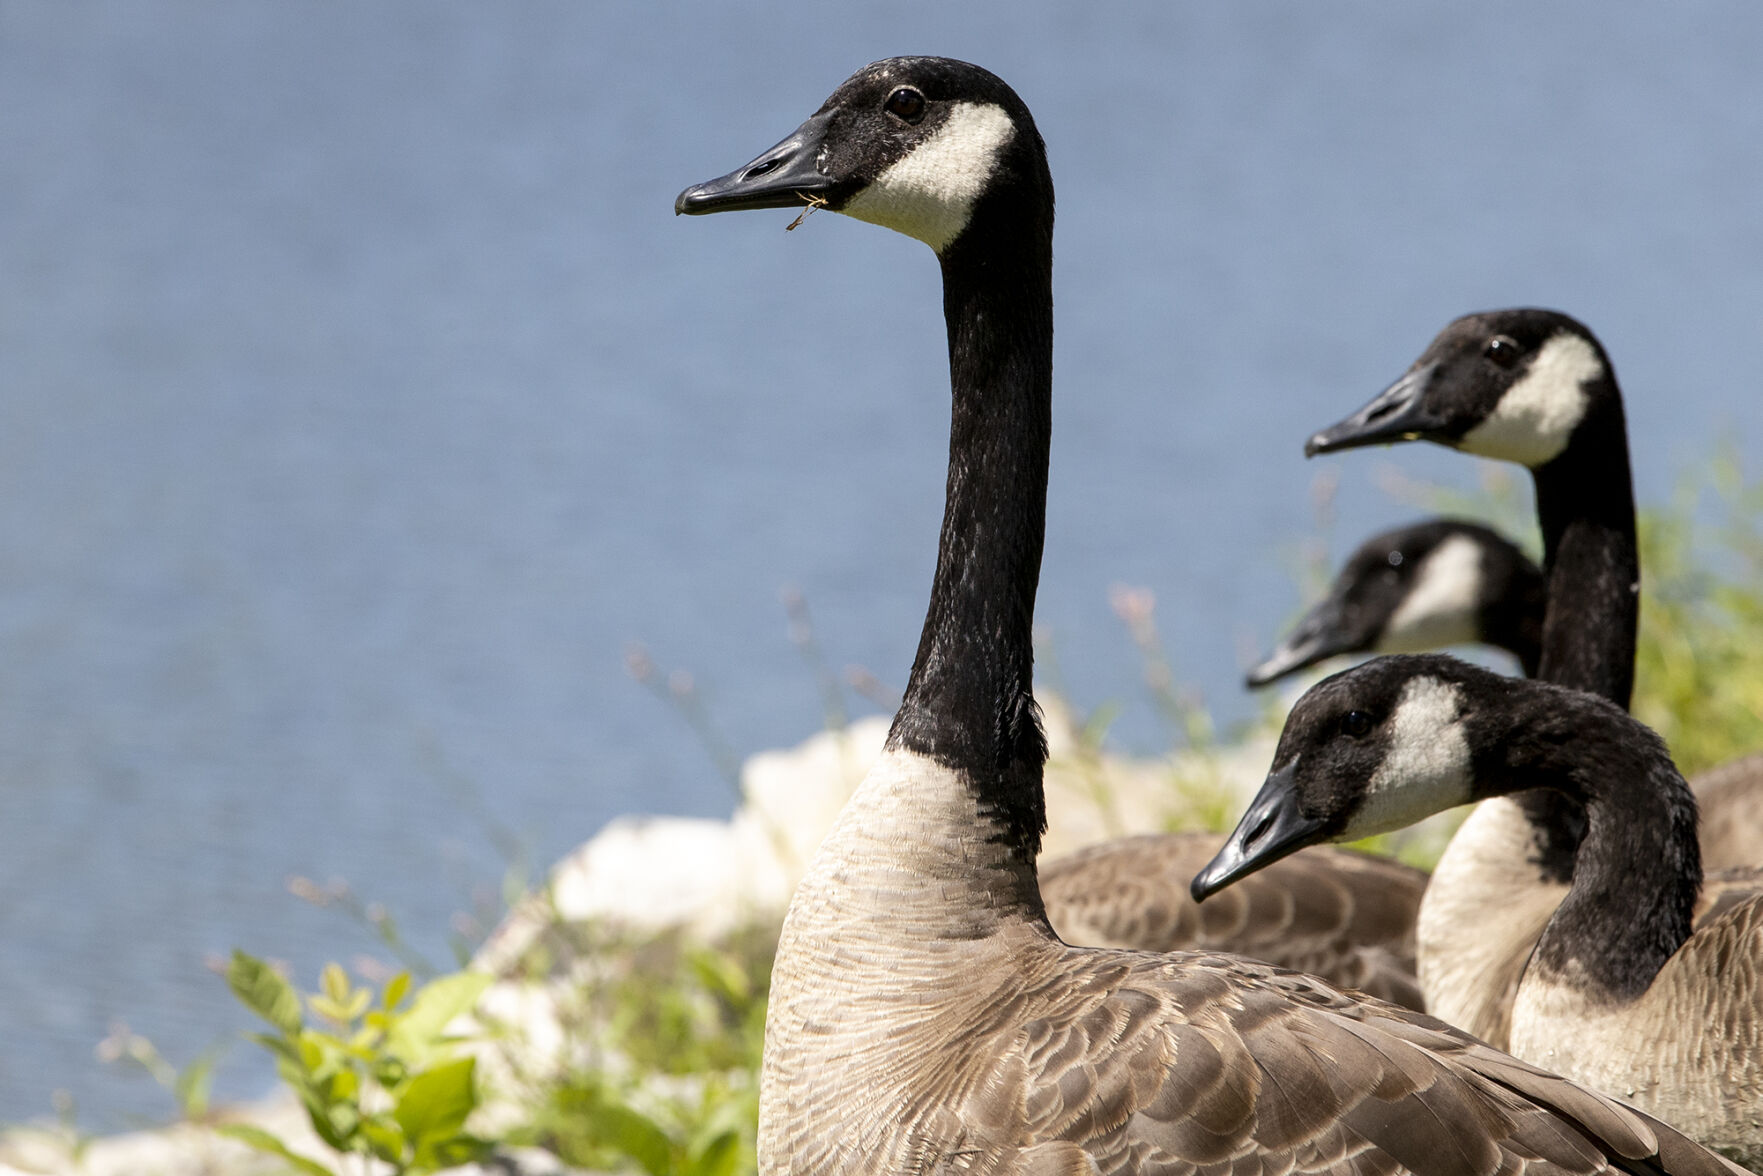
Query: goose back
[[1343, 916]]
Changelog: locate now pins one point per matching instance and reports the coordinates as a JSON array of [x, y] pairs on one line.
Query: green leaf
[[196, 1082], [723, 975], [319, 1116], [343, 1086], [341, 1012], [389, 1071], [385, 1137], [436, 1102], [263, 1141], [397, 988], [264, 992], [435, 1004], [719, 1157], [334, 983], [318, 1051], [336, 1123], [633, 1134], [438, 1155]]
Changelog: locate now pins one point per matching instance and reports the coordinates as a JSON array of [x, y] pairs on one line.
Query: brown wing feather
[[1701, 1019], [1101, 1061], [1347, 917], [1139, 1064], [1256, 1070]]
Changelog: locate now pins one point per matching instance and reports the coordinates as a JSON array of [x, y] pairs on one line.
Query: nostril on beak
[[760, 169], [1261, 827]]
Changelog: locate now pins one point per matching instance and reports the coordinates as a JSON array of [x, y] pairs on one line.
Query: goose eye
[[1356, 724], [906, 103], [1502, 349]]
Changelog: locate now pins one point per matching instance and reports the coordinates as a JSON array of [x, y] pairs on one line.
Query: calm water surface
[[361, 402]]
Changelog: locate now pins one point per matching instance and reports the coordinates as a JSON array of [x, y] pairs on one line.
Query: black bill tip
[[785, 176], [1398, 413], [1320, 634], [1273, 828]]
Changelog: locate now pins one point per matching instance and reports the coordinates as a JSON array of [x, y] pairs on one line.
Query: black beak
[[1322, 633], [786, 176], [1273, 828], [1398, 413]]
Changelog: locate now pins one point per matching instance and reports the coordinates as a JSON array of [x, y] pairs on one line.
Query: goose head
[[1414, 588], [921, 145], [1507, 384], [1369, 750]]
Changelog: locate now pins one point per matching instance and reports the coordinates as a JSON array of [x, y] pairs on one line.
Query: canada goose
[[1415, 588], [1619, 993], [924, 1018]]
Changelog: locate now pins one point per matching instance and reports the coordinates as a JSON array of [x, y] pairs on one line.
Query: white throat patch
[[1426, 769], [930, 193], [1535, 418], [1441, 605]]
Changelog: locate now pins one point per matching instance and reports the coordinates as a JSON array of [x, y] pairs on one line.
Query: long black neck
[[1591, 562], [1585, 499], [969, 702], [1639, 868]]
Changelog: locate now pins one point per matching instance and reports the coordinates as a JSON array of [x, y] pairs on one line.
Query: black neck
[[969, 702], [1585, 500], [1639, 867], [1591, 563]]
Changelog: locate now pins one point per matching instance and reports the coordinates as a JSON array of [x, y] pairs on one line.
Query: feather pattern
[[919, 1025], [1346, 917]]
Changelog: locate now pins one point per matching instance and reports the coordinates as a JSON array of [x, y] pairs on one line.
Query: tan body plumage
[[1343, 916], [923, 1019]]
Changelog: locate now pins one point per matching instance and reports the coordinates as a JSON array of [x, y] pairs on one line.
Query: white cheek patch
[[1535, 418], [1441, 605], [1425, 770], [930, 193]]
